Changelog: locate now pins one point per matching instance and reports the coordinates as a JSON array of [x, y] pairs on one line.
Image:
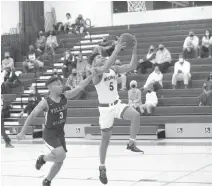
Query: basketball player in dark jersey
[[55, 108]]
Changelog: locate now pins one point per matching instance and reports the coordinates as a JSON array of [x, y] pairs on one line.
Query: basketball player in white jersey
[[110, 106]]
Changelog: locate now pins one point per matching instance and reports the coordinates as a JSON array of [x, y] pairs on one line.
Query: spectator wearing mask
[[55, 74], [134, 96], [33, 100], [181, 72], [82, 66], [40, 42], [4, 114], [67, 23], [155, 79], [69, 62], [163, 58], [7, 64], [148, 61], [150, 103], [73, 80], [33, 60], [9, 75], [205, 97], [51, 43], [104, 42], [191, 44], [80, 24], [206, 44], [121, 78]]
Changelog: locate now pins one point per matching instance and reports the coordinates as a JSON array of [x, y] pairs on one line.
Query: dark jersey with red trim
[[56, 115]]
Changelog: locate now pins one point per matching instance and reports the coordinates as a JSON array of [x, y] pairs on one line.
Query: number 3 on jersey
[[61, 115], [111, 86]]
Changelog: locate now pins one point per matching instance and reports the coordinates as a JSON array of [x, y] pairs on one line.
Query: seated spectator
[[121, 78], [104, 42], [32, 61], [134, 96], [80, 24], [73, 80], [181, 72], [104, 51], [82, 66], [40, 42], [51, 43], [7, 64], [163, 58], [56, 74], [206, 96], [206, 44], [33, 100], [191, 44], [69, 62], [155, 80], [150, 103], [67, 24], [148, 61], [111, 47], [11, 81]]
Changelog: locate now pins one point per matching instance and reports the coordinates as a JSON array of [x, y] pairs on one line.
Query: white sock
[[132, 139]]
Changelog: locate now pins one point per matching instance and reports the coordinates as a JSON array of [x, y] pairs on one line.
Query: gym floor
[[165, 162]]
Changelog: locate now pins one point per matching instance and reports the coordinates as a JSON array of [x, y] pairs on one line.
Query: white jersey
[[107, 88]]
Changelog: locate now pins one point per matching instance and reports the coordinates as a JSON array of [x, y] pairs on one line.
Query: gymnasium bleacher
[[177, 106]]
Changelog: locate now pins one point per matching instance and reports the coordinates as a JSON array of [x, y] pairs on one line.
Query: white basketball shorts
[[108, 114]]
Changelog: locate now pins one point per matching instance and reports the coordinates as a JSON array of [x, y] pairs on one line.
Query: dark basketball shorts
[[54, 139]]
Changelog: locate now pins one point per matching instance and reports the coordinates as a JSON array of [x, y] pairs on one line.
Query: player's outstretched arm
[[72, 93], [111, 60], [133, 62], [42, 105]]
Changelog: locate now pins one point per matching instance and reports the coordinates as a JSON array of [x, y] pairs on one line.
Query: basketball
[[127, 38]]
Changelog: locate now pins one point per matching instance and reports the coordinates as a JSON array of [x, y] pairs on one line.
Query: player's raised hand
[[20, 136], [120, 46]]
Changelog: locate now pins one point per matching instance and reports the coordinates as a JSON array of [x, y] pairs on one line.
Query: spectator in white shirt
[[134, 96], [121, 78], [155, 79], [181, 72], [40, 42], [67, 23], [191, 44], [7, 64], [51, 42], [206, 44], [148, 61], [150, 103], [163, 58]]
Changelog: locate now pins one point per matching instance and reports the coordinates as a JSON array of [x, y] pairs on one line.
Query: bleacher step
[[145, 120]]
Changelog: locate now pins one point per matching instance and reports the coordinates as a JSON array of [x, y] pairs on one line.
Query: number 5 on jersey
[[111, 86]]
